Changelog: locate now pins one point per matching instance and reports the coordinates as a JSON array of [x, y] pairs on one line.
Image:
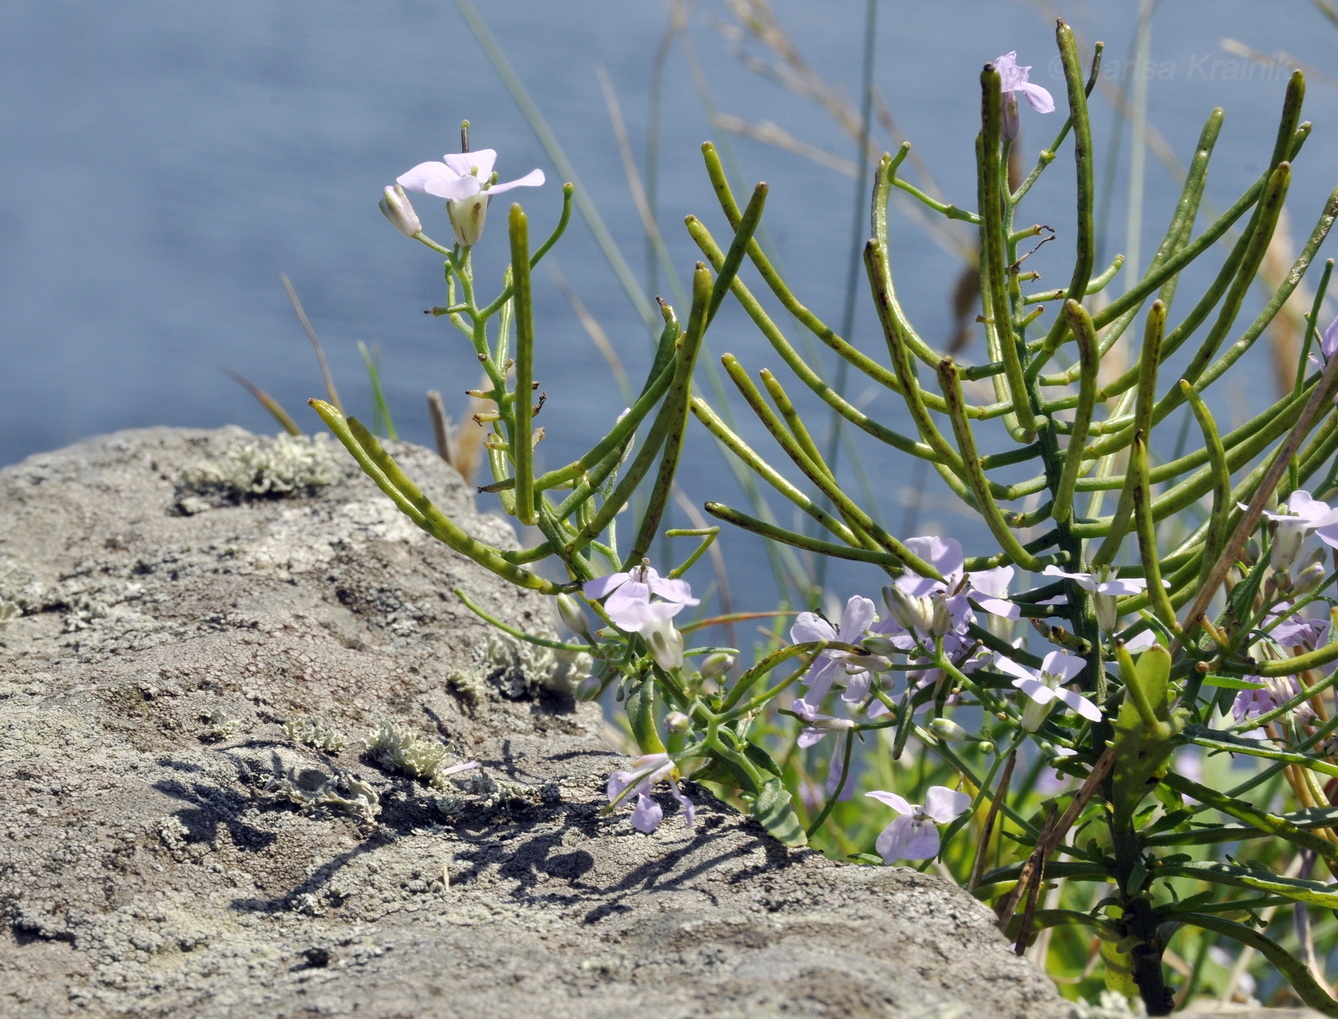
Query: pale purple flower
[[818, 725], [464, 179], [829, 665], [1047, 686], [1304, 514], [1328, 343], [1140, 641], [1271, 692], [1012, 80], [1105, 587], [1292, 630], [646, 771], [914, 834], [652, 621], [1101, 582], [629, 593], [925, 611], [987, 589]]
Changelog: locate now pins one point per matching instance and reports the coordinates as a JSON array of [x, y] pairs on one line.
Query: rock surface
[[169, 847]]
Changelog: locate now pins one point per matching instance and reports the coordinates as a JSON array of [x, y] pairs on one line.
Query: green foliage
[[1065, 455]]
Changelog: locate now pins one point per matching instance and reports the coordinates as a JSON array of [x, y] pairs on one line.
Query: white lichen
[[314, 731], [218, 726], [312, 788], [396, 747], [517, 667], [258, 467]]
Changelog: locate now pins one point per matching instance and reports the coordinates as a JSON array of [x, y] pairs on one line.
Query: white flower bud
[[717, 665], [572, 615], [853, 664], [1308, 581], [949, 731], [587, 689], [915, 615], [397, 208], [884, 647], [676, 721]]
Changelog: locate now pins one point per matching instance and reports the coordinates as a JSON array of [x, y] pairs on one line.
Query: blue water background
[[164, 162]]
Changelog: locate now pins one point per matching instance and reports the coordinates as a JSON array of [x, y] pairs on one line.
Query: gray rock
[[189, 824]]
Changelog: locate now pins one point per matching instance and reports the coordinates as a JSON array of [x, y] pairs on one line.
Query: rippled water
[[165, 162]]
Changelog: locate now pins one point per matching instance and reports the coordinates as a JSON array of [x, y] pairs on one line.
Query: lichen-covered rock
[[214, 630]]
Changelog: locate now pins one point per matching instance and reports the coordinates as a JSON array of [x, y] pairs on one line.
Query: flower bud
[[884, 647], [949, 731], [397, 208], [717, 665], [676, 721], [915, 615], [587, 689], [853, 665], [1308, 581], [941, 621], [572, 615]]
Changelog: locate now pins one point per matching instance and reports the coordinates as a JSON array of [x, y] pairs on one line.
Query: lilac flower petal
[[600, 586], [689, 808], [1039, 692], [806, 709], [647, 814], [857, 687], [1084, 580], [619, 781], [1013, 78], [835, 774], [989, 590], [1011, 668], [627, 598], [924, 841], [1328, 343], [1121, 586], [644, 617], [1009, 73], [819, 683], [531, 180], [1328, 533], [859, 615], [671, 590], [478, 163], [944, 553], [809, 737], [1040, 98], [1296, 630], [1140, 641], [1080, 704], [809, 626], [944, 804], [437, 179], [1062, 665], [996, 606], [897, 803], [896, 838]]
